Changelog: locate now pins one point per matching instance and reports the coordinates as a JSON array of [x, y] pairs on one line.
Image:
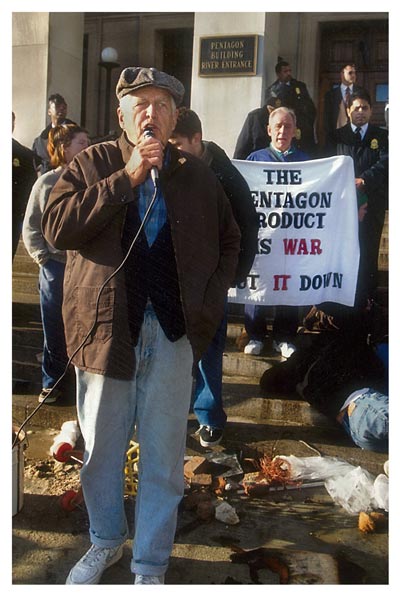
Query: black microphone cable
[[89, 333]]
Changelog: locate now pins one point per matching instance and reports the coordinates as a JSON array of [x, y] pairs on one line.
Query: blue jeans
[[207, 404], [157, 402], [51, 277], [368, 423]]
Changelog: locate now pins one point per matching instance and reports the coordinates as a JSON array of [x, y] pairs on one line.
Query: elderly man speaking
[[144, 295]]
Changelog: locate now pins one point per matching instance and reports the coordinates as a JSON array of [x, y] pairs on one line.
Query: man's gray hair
[[283, 110]]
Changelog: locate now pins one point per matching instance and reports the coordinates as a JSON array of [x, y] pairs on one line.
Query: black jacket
[[332, 100], [253, 135], [370, 159], [295, 95], [371, 163], [244, 211], [23, 178]]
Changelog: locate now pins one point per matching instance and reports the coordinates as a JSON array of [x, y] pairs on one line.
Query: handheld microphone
[[149, 134]]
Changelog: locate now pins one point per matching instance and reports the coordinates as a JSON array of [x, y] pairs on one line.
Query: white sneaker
[[254, 347], [149, 579], [284, 348], [90, 567]]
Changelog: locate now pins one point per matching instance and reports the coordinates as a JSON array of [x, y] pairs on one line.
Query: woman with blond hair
[[65, 141]]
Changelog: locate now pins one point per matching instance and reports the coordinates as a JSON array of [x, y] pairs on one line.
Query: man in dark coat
[[57, 112], [187, 137], [152, 249], [294, 94], [254, 134], [23, 177], [368, 146], [336, 102]]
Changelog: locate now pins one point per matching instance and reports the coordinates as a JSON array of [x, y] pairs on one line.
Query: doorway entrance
[[176, 47], [364, 43]]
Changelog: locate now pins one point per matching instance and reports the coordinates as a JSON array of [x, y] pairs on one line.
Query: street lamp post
[[109, 57]]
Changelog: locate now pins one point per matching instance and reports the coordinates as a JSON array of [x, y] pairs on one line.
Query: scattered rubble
[[299, 566], [194, 465], [293, 567], [59, 477], [270, 474], [226, 514], [206, 487], [372, 522], [209, 506], [352, 487], [211, 480], [200, 503]]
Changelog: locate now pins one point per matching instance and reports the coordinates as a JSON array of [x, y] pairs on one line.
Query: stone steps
[[25, 285], [241, 392], [242, 373]]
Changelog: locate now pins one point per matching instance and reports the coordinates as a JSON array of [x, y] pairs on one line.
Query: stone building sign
[[228, 55]]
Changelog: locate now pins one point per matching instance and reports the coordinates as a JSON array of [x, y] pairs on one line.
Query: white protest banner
[[308, 249]]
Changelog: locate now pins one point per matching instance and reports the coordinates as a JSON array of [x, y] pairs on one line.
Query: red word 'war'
[[302, 246]]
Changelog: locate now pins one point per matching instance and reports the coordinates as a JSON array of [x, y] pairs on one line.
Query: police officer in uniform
[[294, 94], [368, 146]]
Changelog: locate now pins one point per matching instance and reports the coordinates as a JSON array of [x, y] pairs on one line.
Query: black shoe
[[49, 399], [209, 437]]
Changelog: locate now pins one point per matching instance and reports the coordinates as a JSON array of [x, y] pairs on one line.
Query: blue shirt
[[272, 154], [158, 215]]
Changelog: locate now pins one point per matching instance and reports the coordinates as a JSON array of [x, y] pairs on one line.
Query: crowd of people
[[284, 130], [138, 241], [348, 131]]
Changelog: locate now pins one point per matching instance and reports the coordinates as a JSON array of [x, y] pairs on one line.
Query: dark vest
[[150, 273]]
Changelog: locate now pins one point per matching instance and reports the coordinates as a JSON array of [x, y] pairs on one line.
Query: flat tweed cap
[[137, 77]]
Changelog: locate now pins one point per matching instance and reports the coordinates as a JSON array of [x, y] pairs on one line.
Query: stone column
[[47, 58], [223, 102]]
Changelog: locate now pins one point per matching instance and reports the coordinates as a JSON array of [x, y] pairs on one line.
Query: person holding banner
[[187, 137], [368, 146], [282, 130]]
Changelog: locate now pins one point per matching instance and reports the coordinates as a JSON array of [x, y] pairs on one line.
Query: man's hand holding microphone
[[147, 155]]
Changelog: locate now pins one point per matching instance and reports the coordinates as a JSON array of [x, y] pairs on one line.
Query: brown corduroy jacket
[[85, 215]]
